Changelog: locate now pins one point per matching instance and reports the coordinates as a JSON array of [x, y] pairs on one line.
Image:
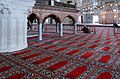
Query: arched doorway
[[51, 24], [68, 24], [32, 25]]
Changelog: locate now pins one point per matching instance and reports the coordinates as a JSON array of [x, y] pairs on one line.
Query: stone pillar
[[61, 29], [43, 27], [13, 24], [57, 27], [40, 31], [75, 28], [52, 3]]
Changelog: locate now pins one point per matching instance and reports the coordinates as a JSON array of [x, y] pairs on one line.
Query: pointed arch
[[70, 17], [33, 16], [53, 16], [33, 21]]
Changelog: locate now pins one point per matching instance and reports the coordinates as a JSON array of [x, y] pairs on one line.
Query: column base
[[3, 50]]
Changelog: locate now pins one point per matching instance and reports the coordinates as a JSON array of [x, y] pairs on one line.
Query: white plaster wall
[[107, 18]]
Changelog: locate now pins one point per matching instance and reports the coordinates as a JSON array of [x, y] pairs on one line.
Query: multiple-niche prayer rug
[[73, 56]]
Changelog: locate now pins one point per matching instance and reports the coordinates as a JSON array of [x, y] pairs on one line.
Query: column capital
[[15, 6]]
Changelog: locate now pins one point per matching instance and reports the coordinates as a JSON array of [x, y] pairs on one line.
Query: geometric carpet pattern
[[74, 56]]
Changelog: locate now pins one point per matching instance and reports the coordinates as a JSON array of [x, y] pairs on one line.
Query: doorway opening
[[95, 19]]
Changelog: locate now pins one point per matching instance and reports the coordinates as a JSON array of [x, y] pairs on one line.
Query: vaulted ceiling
[[93, 5], [84, 3]]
